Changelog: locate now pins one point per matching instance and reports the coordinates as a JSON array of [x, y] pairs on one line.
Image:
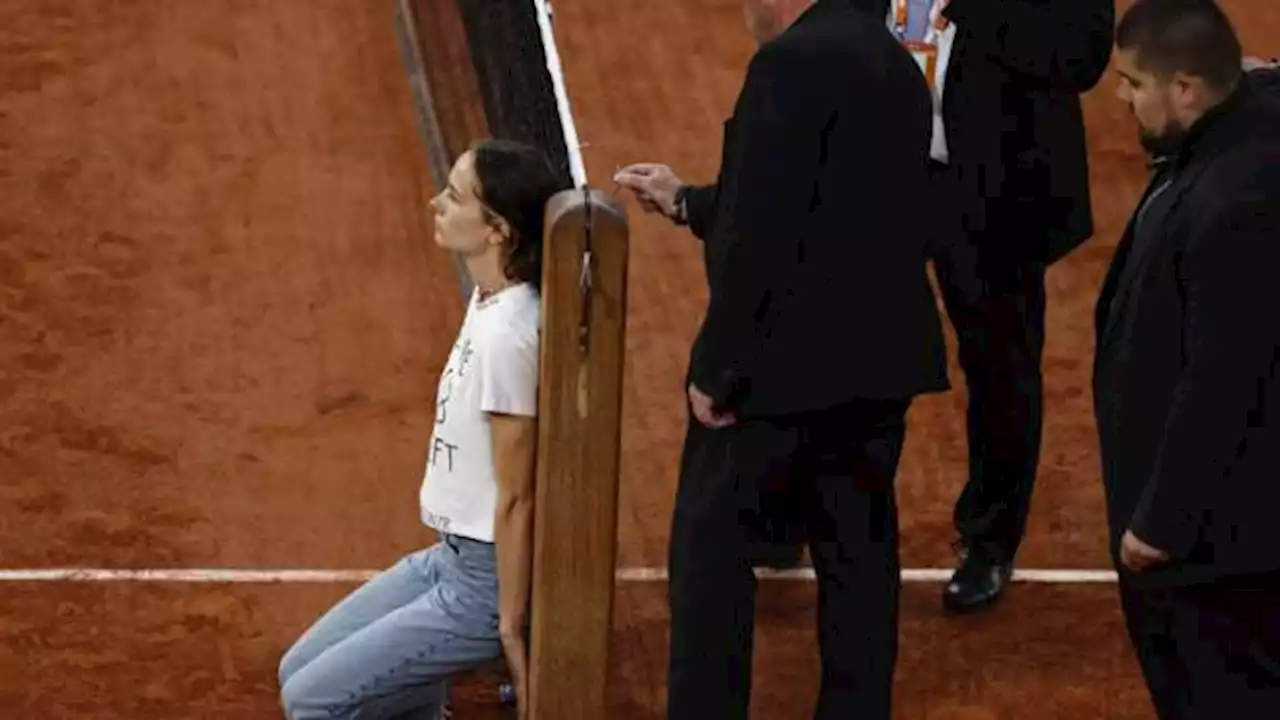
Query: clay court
[[222, 318]]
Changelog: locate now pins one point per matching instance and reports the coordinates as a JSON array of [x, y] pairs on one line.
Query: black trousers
[[832, 472], [997, 307], [1207, 653]]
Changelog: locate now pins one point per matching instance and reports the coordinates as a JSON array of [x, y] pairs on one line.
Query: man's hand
[[654, 186], [704, 410], [1137, 555], [517, 653]]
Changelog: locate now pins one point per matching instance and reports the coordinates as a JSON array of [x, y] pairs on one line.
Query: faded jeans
[[388, 649]]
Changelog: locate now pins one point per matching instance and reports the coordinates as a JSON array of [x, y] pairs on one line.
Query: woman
[[388, 649]]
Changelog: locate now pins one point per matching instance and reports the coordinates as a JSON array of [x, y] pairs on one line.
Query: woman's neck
[[488, 275]]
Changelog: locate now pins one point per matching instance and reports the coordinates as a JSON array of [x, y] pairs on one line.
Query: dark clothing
[[819, 293], [1266, 81], [834, 471], [1013, 198], [821, 328], [1208, 653], [1014, 125], [1187, 366], [997, 309], [1187, 397]]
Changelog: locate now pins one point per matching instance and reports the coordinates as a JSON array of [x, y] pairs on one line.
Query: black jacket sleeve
[[700, 208], [778, 145], [1266, 81], [1231, 334], [1063, 45]]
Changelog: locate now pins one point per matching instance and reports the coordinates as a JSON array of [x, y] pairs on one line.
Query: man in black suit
[[820, 330], [1012, 161], [1187, 371]]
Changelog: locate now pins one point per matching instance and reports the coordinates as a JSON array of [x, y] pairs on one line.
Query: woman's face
[[462, 223]]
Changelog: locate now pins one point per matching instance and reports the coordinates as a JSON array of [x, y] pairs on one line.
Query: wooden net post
[[584, 296]]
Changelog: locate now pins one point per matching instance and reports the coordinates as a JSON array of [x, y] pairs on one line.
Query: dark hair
[[516, 181], [1190, 36]]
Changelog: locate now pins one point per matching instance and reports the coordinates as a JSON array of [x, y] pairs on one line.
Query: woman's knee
[[290, 664], [318, 691], [308, 698]]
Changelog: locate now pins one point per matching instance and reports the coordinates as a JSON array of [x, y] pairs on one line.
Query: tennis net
[[488, 68]]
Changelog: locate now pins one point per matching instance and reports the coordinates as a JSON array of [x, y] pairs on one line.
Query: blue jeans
[[388, 649]]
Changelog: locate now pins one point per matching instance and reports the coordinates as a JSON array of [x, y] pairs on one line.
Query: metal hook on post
[[585, 275]]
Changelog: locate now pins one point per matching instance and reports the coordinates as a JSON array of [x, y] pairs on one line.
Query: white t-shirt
[[493, 368], [920, 27]]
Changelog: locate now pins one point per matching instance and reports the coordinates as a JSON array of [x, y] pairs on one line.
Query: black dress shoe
[[977, 583]]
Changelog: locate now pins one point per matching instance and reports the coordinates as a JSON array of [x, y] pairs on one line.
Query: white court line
[[625, 575], [910, 575]]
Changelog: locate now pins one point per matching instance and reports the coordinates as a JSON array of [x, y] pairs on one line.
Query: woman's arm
[[508, 366], [514, 451]]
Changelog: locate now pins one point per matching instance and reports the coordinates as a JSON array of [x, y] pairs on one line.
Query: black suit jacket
[[1187, 365], [1014, 127], [814, 250], [1266, 81]]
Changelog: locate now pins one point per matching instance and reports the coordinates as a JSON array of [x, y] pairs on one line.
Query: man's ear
[[1186, 92]]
